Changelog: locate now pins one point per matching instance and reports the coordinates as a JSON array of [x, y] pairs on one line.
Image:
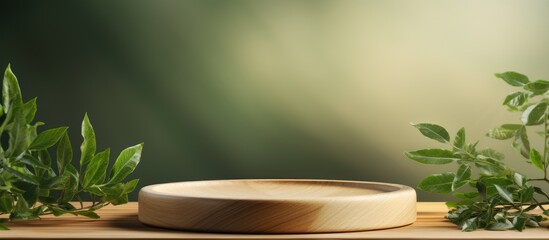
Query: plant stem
[[538, 179], [545, 144], [540, 205], [80, 200], [95, 206]]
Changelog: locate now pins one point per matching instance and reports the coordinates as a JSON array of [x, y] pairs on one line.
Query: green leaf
[[32, 130], [130, 186], [490, 168], [490, 182], [62, 208], [64, 152], [520, 179], [88, 145], [70, 178], [97, 169], [513, 78], [433, 156], [500, 224], [459, 141], [87, 213], [504, 194], [433, 131], [467, 195], [125, 163], [123, 199], [29, 110], [438, 183], [31, 194], [516, 99], [45, 158], [497, 180], [481, 188], [451, 204], [526, 194], [22, 211], [534, 115], [463, 174], [48, 138], [114, 194], [6, 202], [471, 148], [55, 182], [57, 211], [535, 159], [11, 93], [532, 223], [18, 136], [490, 153], [32, 161], [521, 142], [519, 222], [538, 87], [470, 224], [25, 177], [96, 190], [503, 132]]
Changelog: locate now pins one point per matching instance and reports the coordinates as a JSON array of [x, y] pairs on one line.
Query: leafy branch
[[31, 184], [489, 194]]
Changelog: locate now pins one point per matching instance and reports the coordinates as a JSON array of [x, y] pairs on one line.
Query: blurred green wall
[[274, 89]]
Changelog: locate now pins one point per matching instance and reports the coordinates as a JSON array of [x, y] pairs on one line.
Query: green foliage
[[30, 186], [489, 194]]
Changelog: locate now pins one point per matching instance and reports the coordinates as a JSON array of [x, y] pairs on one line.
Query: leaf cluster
[[489, 194], [37, 173]]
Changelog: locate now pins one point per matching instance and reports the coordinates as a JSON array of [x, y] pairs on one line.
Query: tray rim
[[399, 189]]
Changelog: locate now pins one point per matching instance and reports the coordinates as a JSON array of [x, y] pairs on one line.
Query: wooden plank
[[120, 222]]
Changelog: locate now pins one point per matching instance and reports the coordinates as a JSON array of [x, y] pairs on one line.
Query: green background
[[275, 89]]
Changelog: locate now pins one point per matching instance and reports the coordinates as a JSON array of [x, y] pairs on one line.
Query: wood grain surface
[[120, 222], [277, 205]]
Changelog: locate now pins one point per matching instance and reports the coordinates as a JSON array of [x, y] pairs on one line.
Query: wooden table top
[[120, 222]]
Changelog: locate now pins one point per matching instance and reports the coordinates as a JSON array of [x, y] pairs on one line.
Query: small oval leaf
[[538, 87], [433, 131], [505, 131], [459, 140], [433, 156], [504, 193], [516, 99], [25, 177], [88, 146], [535, 159], [64, 153], [533, 115], [438, 183], [463, 174], [47, 138], [97, 169], [513, 78], [125, 163], [521, 142]]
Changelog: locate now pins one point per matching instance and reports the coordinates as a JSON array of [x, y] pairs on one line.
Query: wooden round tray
[[277, 206]]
